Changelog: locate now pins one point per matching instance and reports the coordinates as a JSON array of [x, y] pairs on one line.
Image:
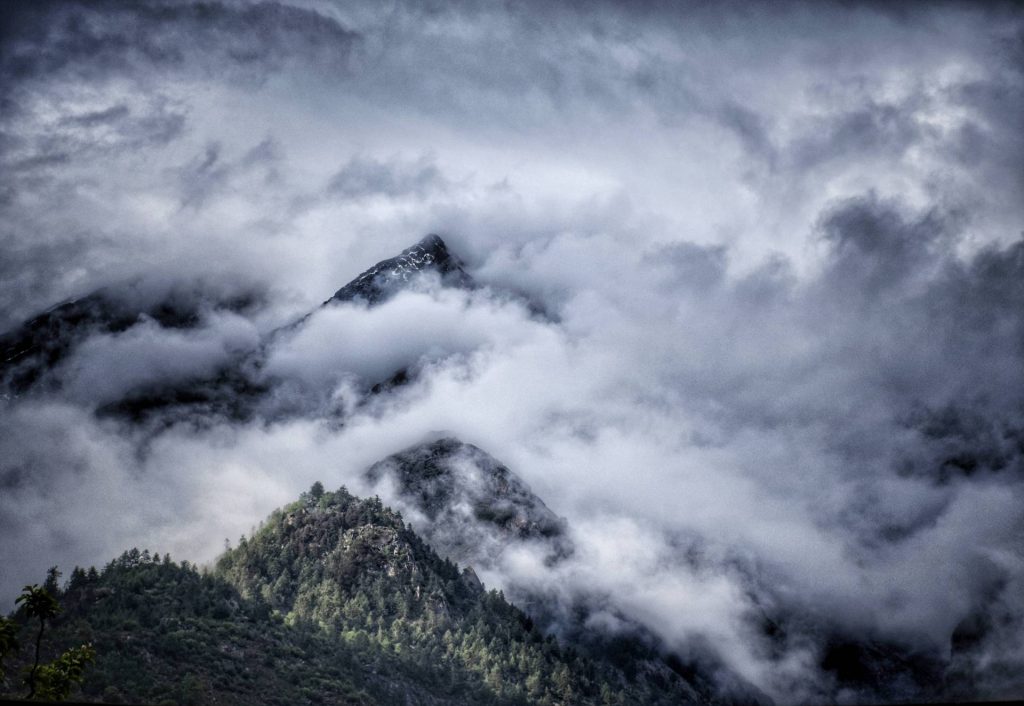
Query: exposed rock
[[474, 506], [471, 580], [387, 277], [238, 390]]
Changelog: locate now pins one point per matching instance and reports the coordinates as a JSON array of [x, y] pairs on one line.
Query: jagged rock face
[[31, 352], [474, 506], [389, 276]]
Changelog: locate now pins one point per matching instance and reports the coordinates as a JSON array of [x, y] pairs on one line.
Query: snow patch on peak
[[388, 276]]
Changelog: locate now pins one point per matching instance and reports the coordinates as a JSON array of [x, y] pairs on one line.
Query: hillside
[[474, 507], [334, 600]]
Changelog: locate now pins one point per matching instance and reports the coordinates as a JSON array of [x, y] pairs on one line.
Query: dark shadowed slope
[[30, 352]]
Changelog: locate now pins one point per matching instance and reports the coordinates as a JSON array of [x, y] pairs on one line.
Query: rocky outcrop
[[473, 507], [386, 278]]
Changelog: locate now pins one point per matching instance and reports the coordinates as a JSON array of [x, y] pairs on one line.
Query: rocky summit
[[473, 506], [34, 355], [383, 280]]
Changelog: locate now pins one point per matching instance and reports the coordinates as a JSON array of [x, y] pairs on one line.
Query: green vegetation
[[8, 643], [333, 601], [165, 633], [352, 568], [54, 680]]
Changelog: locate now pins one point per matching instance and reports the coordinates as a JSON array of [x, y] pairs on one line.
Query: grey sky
[[780, 246]]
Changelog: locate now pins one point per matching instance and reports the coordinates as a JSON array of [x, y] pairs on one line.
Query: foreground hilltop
[[334, 600]]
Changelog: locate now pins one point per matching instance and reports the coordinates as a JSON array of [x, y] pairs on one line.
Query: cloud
[[779, 380], [361, 178], [411, 329], [107, 368], [89, 41]]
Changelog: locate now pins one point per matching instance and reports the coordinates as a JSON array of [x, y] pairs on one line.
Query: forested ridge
[[334, 600]]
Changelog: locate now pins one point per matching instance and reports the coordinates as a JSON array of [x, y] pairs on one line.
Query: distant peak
[[382, 280], [473, 506], [432, 241]]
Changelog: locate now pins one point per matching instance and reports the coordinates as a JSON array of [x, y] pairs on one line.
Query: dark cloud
[[860, 134], [89, 40], [751, 130], [876, 248], [991, 139], [89, 135], [695, 267], [85, 85]]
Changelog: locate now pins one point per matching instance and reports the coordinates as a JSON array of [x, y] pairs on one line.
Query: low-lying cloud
[[779, 375]]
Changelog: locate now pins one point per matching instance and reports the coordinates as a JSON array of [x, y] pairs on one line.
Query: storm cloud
[[751, 314]]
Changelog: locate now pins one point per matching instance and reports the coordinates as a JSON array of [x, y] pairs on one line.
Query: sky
[[779, 248]]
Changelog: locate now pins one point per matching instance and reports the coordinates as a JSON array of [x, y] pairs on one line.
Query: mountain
[[471, 508], [334, 600], [474, 506], [32, 351], [31, 354], [42, 342], [166, 633], [429, 256], [338, 600]]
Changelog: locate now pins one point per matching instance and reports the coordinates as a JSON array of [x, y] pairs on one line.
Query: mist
[[778, 254]]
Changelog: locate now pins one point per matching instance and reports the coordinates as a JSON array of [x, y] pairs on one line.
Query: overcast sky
[[780, 247]]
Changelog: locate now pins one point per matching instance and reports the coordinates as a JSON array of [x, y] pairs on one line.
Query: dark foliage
[[335, 600]]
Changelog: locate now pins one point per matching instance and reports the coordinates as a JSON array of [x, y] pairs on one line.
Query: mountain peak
[[473, 505], [430, 242], [387, 277]]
